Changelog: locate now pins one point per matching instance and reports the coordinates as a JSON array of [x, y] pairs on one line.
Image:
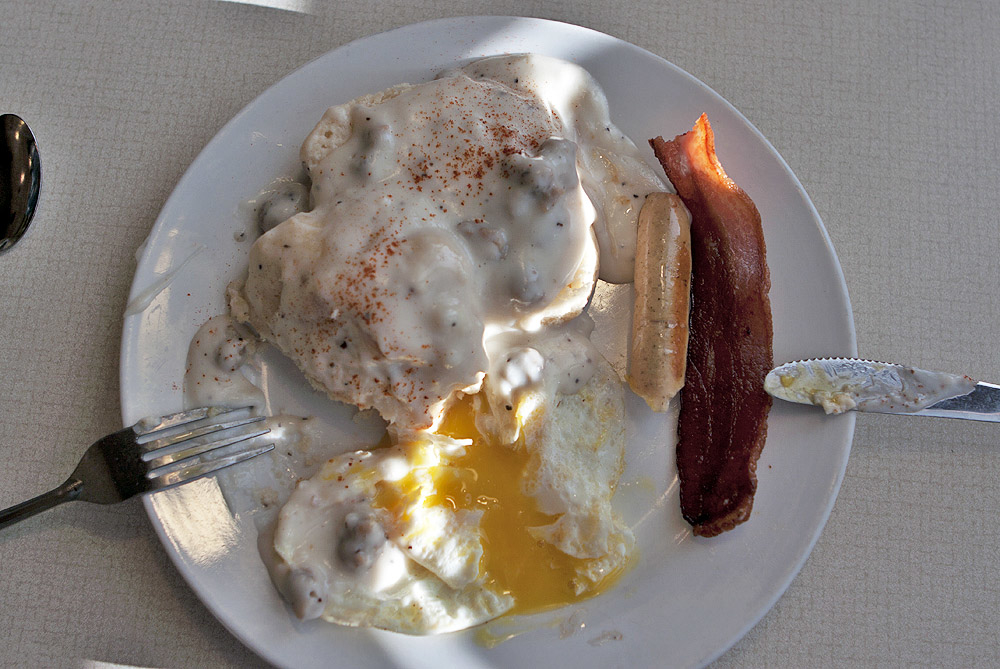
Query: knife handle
[[982, 404]]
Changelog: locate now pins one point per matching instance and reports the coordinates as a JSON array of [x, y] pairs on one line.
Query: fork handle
[[67, 492]]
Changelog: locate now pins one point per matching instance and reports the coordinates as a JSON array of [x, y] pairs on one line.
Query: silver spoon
[[20, 178]]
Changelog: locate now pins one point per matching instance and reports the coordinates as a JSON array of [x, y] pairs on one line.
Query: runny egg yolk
[[489, 477]]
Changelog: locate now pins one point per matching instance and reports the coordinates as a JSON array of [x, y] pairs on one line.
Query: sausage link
[[662, 300]]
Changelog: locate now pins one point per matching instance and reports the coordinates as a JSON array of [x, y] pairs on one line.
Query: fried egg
[[446, 530]]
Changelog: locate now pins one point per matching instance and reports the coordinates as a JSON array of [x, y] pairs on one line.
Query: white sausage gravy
[[443, 215]]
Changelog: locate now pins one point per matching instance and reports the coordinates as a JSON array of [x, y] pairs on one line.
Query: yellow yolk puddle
[[536, 574]]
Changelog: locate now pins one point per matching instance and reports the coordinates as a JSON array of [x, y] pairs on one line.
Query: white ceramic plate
[[687, 599]]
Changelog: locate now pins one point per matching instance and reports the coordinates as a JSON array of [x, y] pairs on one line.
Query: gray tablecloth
[[885, 111]]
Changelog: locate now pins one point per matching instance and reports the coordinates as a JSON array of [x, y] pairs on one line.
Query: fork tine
[[191, 472], [157, 423], [248, 432], [174, 439]]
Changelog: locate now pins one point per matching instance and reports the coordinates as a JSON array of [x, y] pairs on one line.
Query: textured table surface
[[885, 111]]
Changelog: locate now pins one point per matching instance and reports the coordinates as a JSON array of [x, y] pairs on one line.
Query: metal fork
[[153, 454]]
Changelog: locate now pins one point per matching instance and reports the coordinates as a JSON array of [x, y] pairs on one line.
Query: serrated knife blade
[[850, 384]]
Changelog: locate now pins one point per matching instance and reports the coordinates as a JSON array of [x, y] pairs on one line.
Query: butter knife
[[849, 384]]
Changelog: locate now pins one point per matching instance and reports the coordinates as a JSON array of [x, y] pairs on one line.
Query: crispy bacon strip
[[723, 415]]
